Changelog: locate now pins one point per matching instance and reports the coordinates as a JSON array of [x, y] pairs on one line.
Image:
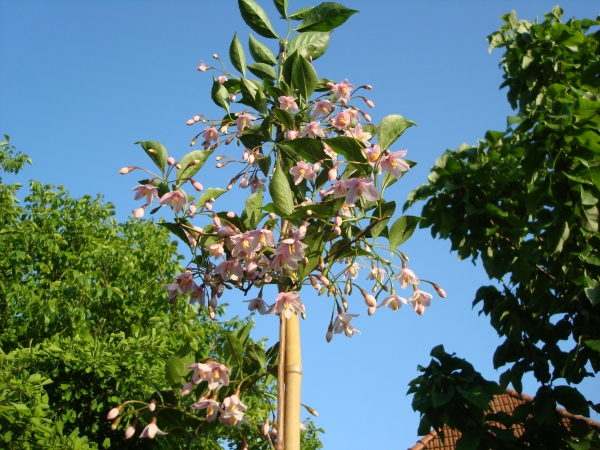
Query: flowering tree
[[328, 168]]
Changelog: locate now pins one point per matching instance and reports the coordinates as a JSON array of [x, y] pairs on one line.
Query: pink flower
[[257, 304], [406, 276], [393, 164], [212, 407], [244, 120], [342, 323], [420, 300], [287, 303], [151, 430], [312, 130], [230, 270], [216, 250], [222, 79], [211, 134], [286, 103], [290, 135], [322, 108], [292, 251], [233, 411], [256, 184], [262, 238], [342, 120], [372, 154], [376, 273], [302, 171], [198, 295], [175, 199], [358, 187], [358, 133], [203, 67], [394, 302], [352, 271], [216, 374], [342, 90], [183, 284], [145, 190]]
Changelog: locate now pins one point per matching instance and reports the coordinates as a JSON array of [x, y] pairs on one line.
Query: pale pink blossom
[[113, 413], [372, 154], [359, 187], [394, 165], [302, 171], [342, 90], [145, 190], [130, 431], [290, 135], [262, 238], [286, 103], [230, 270], [376, 273], [420, 300], [211, 134], [242, 245], [256, 184], [329, 152], [287, 303], [233, 411], [342, 120], [358, 133], [394, 302], [215, 250], [198, 295], [257, 304], [151, 430], [342, 323], [203, 67], [183, 284], [211, 405], [216, 374], [322, 108], [406, 277], [352, 271], [312, 130], [175, 199], [244, 120], [292, 251], [338, 189]]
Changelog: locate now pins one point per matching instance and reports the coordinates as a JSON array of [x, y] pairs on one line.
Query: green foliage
[[86, 325], [525, 201]]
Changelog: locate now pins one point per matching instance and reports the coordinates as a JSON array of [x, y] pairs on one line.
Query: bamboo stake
[[293, 382], [281, 383]]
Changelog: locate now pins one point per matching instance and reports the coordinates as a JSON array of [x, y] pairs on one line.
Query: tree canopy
[[525, 202]]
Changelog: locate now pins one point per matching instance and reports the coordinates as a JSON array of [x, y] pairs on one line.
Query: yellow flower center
[[393, 164]]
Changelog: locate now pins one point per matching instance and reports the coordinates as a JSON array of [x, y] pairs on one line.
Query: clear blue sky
[[82, 80]]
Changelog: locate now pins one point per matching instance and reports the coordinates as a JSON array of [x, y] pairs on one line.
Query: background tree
[[526, 202], [85, 323]]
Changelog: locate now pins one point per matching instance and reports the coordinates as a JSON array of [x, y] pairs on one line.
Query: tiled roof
[[506, 403]]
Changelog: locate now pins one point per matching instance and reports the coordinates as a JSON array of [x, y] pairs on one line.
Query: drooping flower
[[406, 276], [256, 184], [292, 251], [394, 302], [372, 154], [420, 300], [215, 250], [203, 67], [215, 373], [244, 120], [376, 273], [286, 103], [302, 171], [394, 165], [290, 135], [183, 284], [211, 134], [287, 303], [145, 190], [176, 199], [352, 271], [151, 430], [233, 411], [257, 304], [230, 270], [342, 323], [211, 405], [342, 120], [358, 133]]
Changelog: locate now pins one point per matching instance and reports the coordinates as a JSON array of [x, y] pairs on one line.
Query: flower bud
[[113, 413], [371, 310], [345, 304], [115, 424], [196, 119], [321, 263], [317, 166], [187, 388], [439, 291], [139, 213], [369, 103], [211, 313], [215, 56], [197, 185], [337, 230], [330, 85], [329, 334], [368, 87], [272, 216], [231, 214], [324, 280], [337, 221], [152, 405], [343, 101], [264, 430], [229, 139], [232, 98], [332, 174], [216, 222], [190, 122], [208, 206], [312, 411], [323, 193], [126, 170], [193, 142], [370, 301], [222, 79], [130, 431]]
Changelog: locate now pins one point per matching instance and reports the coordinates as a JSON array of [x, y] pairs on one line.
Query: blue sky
[[82, 80]]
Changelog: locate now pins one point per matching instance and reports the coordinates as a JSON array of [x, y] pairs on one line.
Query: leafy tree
[[525, 201], [85, 323]]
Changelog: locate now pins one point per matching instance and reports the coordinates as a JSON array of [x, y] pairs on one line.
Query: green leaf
[[191, 164], [281, 6], [351, 149], [301, 13], [176, 230], [261, 52], [326, 17], [402, 229], [253, 214], [304, 78], [237, 55], [310, 150], [439, 398], [280, 191], [262, 70], [176, 366], [593, 295], [285, 118], [220, 95], [256, 18], [311, 43], [210, 193], [391, 128], [288, 67], [158, 154]]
